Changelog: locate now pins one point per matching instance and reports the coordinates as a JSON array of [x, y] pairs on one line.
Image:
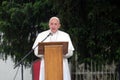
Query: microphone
[[47, 37], [44, 39]]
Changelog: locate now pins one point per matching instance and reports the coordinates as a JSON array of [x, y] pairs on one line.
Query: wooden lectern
[[53, 55]]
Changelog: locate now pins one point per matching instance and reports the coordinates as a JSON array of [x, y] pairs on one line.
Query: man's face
[[54, 25]]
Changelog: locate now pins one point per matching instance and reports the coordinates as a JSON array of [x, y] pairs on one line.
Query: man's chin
[[53, 31]]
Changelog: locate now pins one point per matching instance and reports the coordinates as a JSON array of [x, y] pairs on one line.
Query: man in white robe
[[57, 36]]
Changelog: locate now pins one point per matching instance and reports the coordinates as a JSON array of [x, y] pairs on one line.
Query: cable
[[16, 73]]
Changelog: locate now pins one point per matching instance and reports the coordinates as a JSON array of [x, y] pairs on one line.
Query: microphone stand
[[24, 57], [21, 61]]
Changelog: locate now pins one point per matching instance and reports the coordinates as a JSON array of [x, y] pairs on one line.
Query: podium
[[53, 58]]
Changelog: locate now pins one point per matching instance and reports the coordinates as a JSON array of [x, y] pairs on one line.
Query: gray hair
[[55, 18]]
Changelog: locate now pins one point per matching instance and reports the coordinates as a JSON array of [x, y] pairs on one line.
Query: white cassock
[[59, 36]]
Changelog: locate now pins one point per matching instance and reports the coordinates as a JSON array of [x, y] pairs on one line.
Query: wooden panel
[[53, 62], [42, 44]]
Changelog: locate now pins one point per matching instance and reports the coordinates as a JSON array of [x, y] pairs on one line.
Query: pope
[[57, 36]]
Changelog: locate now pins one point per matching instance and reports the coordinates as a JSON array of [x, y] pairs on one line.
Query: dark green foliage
[[94, 27], [20, 23]]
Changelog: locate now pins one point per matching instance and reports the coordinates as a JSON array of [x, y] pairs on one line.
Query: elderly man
[[57, 36]]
